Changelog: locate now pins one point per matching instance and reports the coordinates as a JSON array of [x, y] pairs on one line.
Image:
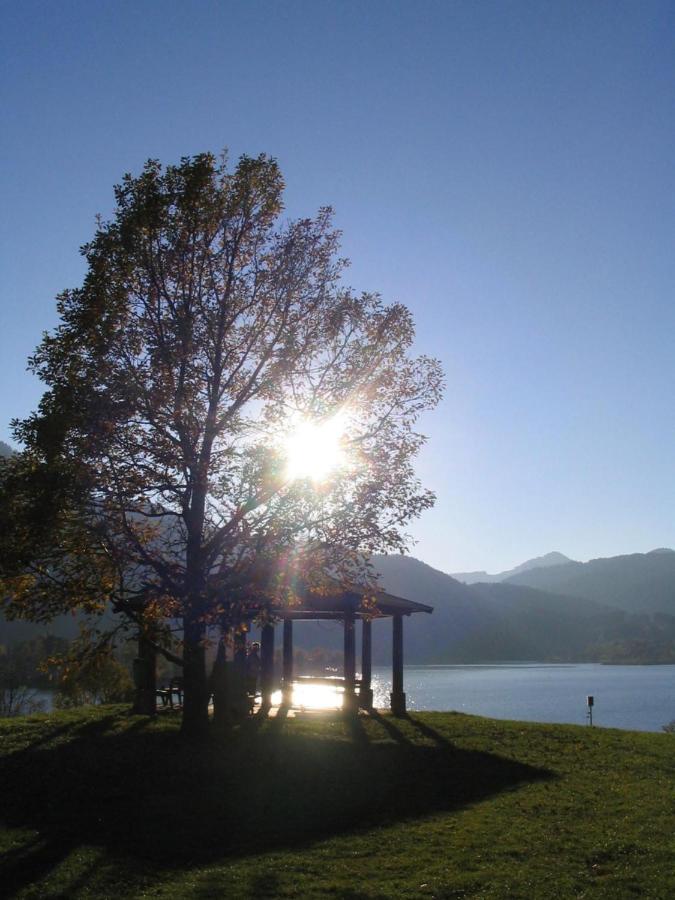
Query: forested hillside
[[491, 622]]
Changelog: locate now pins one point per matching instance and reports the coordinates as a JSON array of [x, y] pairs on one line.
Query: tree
[[91, 679], [20, 675], [205, 332]]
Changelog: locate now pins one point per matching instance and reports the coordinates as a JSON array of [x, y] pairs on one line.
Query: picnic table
[[174, 689]]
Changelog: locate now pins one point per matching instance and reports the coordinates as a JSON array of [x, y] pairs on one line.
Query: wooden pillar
[[349, 704], [397, 695], [219, 686], [267, 665], [287, 680], [366, 692], [238, 698]]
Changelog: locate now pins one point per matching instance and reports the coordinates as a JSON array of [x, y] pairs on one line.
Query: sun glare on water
[[314, 449], [313, 696]]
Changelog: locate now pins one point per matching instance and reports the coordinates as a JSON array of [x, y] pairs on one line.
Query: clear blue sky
[[504, 169]]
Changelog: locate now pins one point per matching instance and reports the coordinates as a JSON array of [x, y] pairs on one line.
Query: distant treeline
[[22, 662]]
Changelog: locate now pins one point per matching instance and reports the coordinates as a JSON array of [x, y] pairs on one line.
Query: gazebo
[[346, 607]]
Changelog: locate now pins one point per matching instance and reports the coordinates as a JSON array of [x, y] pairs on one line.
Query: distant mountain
[[484, 622], [5, 450], [507, 621], [492, 622], [637, 583], [539, 562]]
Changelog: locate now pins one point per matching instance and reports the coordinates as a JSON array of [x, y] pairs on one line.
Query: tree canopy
[[209, 339]]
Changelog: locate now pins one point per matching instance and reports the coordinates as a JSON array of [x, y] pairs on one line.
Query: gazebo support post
[[287, 681], [397, 695], [366, 692], [349, 704], [266, 665]]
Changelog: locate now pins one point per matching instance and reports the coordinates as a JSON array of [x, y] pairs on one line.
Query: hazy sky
[[505, 169]]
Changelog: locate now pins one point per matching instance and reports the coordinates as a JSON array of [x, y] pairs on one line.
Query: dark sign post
[[589, 702]]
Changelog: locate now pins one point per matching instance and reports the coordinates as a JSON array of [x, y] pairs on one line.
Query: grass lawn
[[96, 803]]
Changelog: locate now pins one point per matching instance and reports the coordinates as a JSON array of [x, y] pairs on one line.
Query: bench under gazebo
[[346, 607]]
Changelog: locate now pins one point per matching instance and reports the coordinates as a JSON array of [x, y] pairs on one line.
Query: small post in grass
[[589, 703]]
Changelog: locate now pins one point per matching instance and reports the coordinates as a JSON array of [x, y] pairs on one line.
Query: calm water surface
[[635, 697]]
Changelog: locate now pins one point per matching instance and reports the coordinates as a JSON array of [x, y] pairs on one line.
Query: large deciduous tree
[[206, 330]]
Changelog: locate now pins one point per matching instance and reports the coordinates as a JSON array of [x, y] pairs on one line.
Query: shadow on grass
[[147, 795]]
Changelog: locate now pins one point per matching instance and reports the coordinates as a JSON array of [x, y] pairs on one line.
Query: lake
[[635, 697], [641, 698]]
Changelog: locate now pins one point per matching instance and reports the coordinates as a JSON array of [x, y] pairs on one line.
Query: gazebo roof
[[335, 605]]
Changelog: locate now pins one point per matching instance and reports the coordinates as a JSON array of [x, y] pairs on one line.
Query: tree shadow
[[387, 724], [147, 795], [428, 732], [44, 734]]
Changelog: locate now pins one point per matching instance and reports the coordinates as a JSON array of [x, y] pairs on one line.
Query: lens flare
[[315, 450]]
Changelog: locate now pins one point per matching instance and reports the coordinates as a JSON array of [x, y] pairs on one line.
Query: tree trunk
[[145, 678], [219, 686], [196, 693]]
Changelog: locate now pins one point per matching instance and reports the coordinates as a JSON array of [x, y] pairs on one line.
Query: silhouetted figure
[[252, 672]]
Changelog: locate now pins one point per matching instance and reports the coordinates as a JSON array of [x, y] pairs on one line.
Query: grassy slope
[[98, 804]]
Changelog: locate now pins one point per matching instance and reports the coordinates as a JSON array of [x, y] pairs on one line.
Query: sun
[[315, 449]]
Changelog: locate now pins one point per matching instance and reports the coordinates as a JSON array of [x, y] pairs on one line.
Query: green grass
[[96, 803]]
